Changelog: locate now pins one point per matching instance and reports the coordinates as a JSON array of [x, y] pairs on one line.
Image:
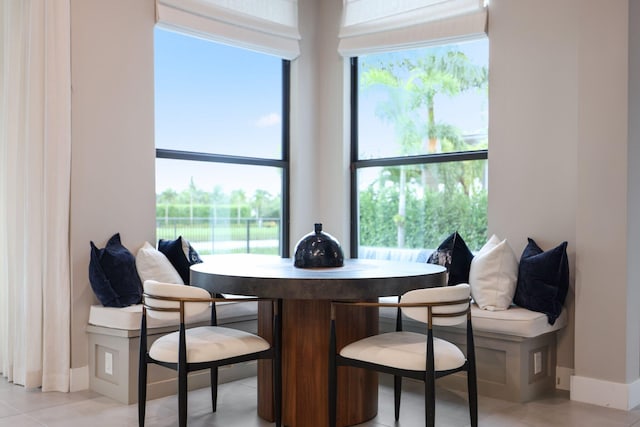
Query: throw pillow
[[543, 279], [493, 275], [455, 256], [154, 265], [181, 254], [113, 276]]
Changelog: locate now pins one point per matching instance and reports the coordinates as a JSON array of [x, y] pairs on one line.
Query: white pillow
[[493, 275], [154, 265]]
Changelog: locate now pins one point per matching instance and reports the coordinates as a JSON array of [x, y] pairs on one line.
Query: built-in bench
[[515, 348], [114, 346]]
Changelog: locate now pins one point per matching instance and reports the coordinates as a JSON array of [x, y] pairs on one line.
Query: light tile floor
[[237, 408]]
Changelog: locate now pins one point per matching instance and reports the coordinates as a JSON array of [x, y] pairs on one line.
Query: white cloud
[[268, 120]]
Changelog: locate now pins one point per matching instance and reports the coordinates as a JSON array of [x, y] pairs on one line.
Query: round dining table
[[306, 296]]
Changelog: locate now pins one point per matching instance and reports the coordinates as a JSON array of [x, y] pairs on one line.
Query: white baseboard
[[605, 393], [563, 378], [79, 378]]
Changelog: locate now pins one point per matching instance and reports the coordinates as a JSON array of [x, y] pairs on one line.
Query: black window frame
[[357, 163], [282, 163]]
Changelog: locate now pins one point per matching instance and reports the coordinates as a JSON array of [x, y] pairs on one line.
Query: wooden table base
[[305, 362]]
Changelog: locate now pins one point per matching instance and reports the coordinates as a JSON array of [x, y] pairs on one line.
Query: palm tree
[[411, 87], [445, 72], [397, 110]]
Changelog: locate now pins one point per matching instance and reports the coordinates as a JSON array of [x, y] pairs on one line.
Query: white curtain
[[267, 26], [35, 145], [370, 26]]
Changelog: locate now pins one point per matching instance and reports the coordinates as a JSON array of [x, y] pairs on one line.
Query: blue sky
[[467, 111], [214, 98]]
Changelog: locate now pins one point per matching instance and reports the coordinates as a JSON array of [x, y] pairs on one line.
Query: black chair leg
[[397, 393], [332, 396], [277, 382], [472, 380], [142, 371], [473, 396], [142, 389], [214, 389], [182, 398], [430, 400]]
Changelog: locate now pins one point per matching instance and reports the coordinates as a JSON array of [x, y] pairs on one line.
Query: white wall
[[113, 151], [561, 168], [633, 167], [602, 281], [533, 113], [319, 155], [305, 73], [602, 191]]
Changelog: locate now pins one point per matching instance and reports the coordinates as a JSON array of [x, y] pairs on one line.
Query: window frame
[[282, 163], [357, 163]]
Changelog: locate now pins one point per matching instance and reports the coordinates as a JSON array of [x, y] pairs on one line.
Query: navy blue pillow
[[113, 275], [181, 255], [543, 280], [455, 256]]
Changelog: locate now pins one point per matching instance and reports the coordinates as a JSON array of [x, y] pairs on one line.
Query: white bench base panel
[[506, 365], [114, 356]]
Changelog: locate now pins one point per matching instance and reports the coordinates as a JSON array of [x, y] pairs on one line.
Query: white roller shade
[[370, 26], [268, 26]]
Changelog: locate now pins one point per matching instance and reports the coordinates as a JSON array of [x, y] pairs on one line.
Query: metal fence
[[224, 235]]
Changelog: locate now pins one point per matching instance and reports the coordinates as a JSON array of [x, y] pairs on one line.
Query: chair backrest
[[440, 298], [160, 296]]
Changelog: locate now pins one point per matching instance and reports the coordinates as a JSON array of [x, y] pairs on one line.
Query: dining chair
[[202, 347], [414, 355]]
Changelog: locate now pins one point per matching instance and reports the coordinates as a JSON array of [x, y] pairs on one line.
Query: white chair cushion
[[207, 343], [493, 275], [404, 350], [154, 265]]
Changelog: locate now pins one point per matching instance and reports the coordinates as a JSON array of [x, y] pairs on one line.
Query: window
[[221, 146], [419, 147]]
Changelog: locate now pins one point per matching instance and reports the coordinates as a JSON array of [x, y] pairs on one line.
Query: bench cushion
[[129, 318], [516, 321]]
